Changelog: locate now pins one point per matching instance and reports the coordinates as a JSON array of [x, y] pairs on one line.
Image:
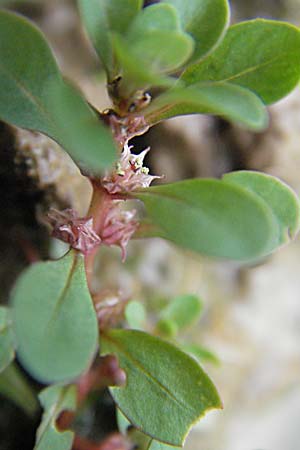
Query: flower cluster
[[130, 174], [78, 232]]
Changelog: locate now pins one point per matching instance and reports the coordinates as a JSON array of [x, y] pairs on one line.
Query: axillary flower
[[118, 223], [130, 174]]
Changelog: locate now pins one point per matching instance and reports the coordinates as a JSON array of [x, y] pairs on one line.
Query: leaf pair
[[34, 95], [129, 39], [257, 63], [238, 217]]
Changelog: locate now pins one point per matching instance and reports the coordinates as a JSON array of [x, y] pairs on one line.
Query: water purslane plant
[[167, 59]]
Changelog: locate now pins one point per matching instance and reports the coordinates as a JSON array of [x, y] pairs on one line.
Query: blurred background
[[251, 318]]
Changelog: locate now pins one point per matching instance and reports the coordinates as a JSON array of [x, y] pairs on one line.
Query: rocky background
[[252, 314]]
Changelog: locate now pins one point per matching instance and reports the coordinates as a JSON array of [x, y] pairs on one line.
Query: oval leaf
[[183, 310], [227, 100], [7, 344], [278, 196], [104, 17], [261, 55], [158, 398], [205, 20], [54, 296], [211, 217], [135, 314], [29, 79], [55, 400]]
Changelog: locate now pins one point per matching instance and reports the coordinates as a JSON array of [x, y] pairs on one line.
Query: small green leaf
[[227, 100], [278, 196], [55, 400], [156, 445], [159, 16], [33, 95], [54, 319], [135, 315], [104, 17], [261, 55], [158, 398], [209, 216], [136, 75], [7, 344], [15, 387], [166, 328], [202, 354], [205, 20], [183, 310]]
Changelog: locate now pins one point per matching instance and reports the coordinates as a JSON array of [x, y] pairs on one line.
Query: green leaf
[[104, 17], [54, 319], [261, 55], [135, 74], [156, 445], [158, 398], [209, 216], [202, 354], [29, 79], [135, 315], [55, 400], [183, 310], [227, 100], [14, 386], [278, 197], [205, 20], [7, 344], [159, 16]]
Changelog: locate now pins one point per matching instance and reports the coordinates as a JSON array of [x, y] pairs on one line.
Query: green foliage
[[7, 341], [29, 78], [230, 101], [16, 388], [102, 18], [216, 218], [202, 354], [260, 55], [54, 319], [278, 197], [135, 315], [161, 375], [205, 20], [55, 400], [180, 313]]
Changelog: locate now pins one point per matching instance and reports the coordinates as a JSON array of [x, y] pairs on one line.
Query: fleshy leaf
[[227, 100], [7, 344], [205, 20], [29, 78], [15, 387], [102, 18], [54, 296], [158, 398], [211, 217], [261, 55], [134, 74], [277, 195], [159, 16], [183, 310], [135, 315], [55, 400]]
